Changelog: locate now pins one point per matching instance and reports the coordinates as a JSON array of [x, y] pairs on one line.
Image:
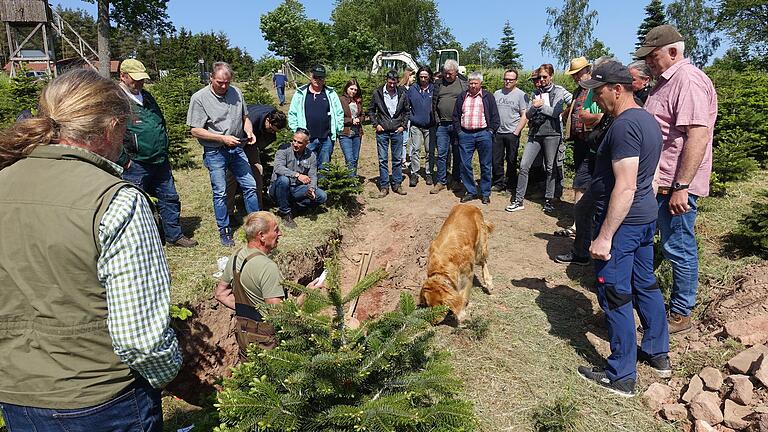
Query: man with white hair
[[641, 80], [684, 103], [476, 119], [444, 96]]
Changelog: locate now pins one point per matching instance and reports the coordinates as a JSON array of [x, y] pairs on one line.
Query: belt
[[474, 130], [664, 190], [446, 123]]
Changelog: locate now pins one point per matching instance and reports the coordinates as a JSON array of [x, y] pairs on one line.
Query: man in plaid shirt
[[476, 118]]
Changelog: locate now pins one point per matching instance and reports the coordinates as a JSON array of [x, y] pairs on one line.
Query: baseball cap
[[657, 37], [135, 69], [611, 72], [318, 71], [392, 74], [577, 64]]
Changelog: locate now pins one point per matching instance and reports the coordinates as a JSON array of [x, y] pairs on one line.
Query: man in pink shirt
[[684, 103]]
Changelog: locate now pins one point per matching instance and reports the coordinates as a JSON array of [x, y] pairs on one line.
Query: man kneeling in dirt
[[252, 279]]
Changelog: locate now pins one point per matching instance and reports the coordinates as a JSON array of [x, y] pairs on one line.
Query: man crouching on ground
[[625, 221], [252, 279]]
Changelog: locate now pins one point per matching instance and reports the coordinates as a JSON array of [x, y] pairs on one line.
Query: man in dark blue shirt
[[625, 222], [279, 79]]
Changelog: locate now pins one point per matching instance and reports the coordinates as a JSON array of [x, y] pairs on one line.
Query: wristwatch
[[679, 186]]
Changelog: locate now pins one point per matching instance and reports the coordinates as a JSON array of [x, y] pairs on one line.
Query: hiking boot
[[548, 208], [486, 200], [679, 323], [570, 258], [413, 180], [428, 179], [660, 364], [515, 206], [497, 188], [183, 241], [467, 198], [437, 188], [383, 192], [225, 234], [399, 190], [596, 375], [288, 221]]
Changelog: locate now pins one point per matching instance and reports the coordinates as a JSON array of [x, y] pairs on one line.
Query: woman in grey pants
[[544, 133]]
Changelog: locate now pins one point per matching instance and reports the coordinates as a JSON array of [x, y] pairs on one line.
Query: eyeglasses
[[536, 78]]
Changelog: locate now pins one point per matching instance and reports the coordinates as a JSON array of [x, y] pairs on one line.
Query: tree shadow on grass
[[190, 224], [736, 246], [569, 313], [557, 245]]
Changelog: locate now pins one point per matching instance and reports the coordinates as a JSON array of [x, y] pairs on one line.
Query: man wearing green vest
[[146, 144], [85, 331]]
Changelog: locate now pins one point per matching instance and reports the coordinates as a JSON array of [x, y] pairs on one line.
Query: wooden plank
[[24, 11], [362, 272]]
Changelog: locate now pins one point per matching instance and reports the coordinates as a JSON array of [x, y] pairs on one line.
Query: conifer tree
[[327, 376], [654, 17], [507, 55]]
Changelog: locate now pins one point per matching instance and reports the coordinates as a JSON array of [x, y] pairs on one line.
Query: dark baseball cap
[[318, 71], [611, 72], [658, 37]]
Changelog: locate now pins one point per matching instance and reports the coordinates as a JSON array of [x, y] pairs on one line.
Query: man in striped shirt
[[476, 118]]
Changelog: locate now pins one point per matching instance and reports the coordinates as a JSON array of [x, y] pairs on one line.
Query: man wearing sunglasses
[[317, 108]]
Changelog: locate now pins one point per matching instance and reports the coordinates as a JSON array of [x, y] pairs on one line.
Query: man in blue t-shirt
[[624, 225], [279, 79]]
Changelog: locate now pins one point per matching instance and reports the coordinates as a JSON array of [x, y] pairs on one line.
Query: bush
[[731, 159], [342, 189], [753, 227], [172, 94], [326, 375], [561, 415], [16, 95], [255, 93]]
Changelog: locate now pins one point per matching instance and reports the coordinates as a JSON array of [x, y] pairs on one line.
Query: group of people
[[85, 324]]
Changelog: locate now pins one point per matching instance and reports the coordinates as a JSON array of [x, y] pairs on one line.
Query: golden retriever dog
[[461, 243]]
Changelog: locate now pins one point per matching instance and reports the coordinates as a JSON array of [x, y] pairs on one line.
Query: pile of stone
[[712, 401]]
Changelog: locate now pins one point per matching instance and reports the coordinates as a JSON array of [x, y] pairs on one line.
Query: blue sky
[[239, 19]]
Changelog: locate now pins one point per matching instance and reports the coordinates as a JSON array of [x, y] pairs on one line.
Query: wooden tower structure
[[18, 16]]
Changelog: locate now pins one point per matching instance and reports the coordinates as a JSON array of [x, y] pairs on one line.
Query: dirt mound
[[748, 298], [209, 349]]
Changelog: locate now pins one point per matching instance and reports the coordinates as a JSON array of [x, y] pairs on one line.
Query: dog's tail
[[489, 227]]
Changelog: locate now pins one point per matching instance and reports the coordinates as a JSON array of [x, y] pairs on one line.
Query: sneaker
[[570, 258], [486, 200], [515, 206], [596, 375], [413, 180], [288, 221], [679, 324], [660, 364], [225, 234], [437, 188], [183, 241], [548, 207], [428, 179], [383, 192], [467, 198], [497, 188], [399, 190]]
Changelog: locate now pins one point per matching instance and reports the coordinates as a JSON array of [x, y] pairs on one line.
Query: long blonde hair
[[78, 107]]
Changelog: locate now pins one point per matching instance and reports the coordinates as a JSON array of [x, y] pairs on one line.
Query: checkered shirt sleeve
[[133, 269]]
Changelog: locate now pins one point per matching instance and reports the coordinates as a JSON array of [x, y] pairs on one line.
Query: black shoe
[[428, 179], [570, 258], [623, 388], [660, 364], [514, 206], [497, 188], [288, 221], [548, 208], [467, 198], [413, 181], [486, 200]]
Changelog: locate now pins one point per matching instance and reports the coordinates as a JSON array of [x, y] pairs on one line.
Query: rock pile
[[712, 401]]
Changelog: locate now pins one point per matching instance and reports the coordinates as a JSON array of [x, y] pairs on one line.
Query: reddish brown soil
[[746, 299]]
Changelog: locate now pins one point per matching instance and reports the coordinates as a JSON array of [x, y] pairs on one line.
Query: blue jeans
[[157, 181], [483, 142], [139, 409], [286, 190], [384, 140], [218, 160], [281, 94], [447, 144], [626, 281], [323, 148], [350, 146], [678, 243]]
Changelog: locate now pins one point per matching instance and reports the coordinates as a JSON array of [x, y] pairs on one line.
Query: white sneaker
[[515, 206]]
